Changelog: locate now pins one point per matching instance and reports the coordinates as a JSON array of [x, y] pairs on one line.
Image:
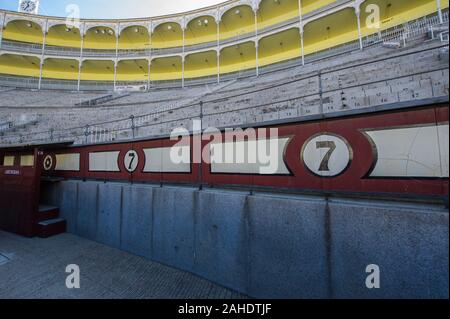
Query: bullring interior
[[360, 110], [229, 38]]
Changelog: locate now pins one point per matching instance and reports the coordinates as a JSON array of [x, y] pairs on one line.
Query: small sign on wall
[[29, 6]]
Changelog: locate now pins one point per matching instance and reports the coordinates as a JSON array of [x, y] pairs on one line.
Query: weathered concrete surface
[[265, 245], [221, 238], [109, 216], [287, 255], [173, 226], [408, 243], [137, 220], [35, 268]]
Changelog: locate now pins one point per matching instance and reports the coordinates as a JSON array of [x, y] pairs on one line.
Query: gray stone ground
[[35, 268]]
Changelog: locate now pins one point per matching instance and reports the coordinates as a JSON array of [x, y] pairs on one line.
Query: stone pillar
[[358, 20], [218, 50], [255, 10], [439, 9], [44, 39], [81, 56]]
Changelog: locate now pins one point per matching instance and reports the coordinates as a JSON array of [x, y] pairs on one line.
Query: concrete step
[[51, 227], [47, 212]]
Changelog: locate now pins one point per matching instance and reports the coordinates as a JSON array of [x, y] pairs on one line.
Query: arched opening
[[100, 38], [23, 31], [62, 35], [163, 69], [134, 37], [330, 31], [20, 65], [66, 69], [279, 47], [393, 13], [275, 11], [200, 64], [200, 30], [237, 58], [167, 35], [132, 70], [97, 70], [236, 22]]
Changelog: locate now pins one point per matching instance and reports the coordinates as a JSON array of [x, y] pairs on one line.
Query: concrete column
[[117, 58], [300, 18], [2, 25], [182, 70], [439, 9], [218, 50], [40, 74], [358, 20], [44, 39], [81, 57], [302, 45], [256, 41], [115, 74], [79, 74], [148, 80], [183, 59]]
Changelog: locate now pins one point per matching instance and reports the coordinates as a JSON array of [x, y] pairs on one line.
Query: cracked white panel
[[411, 152], [67, 162], [104, 162], [176, 159], [243, 157]]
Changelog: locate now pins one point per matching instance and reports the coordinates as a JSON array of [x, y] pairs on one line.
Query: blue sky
[[115, 9]]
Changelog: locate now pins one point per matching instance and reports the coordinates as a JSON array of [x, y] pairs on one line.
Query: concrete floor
[[35, 268]]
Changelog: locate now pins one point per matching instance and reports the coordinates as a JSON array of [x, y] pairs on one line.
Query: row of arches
[[235, 21], [318, 35]]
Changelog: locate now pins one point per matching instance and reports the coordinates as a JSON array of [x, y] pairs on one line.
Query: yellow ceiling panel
[[61, 35], [23, 31], [202, 29], [312, 5], [276, 11], [280, 42], [100, 38], [60, 69], [19, 65], [134, 37], [97, 70], [237, 21], [330, 31], [167, 35], [393, 13]]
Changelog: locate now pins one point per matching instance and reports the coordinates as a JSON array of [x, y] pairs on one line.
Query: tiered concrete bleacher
[[353, 82]]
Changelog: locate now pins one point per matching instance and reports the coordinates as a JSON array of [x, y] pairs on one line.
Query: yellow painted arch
[[278, 47], [23, 31], [134, 37], [19, 65], [100, 37], [201, 64]]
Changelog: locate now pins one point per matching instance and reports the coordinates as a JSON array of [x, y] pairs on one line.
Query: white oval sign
[[327, 155], [131, 161]]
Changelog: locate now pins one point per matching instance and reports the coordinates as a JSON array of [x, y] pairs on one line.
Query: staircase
[[49, 223]]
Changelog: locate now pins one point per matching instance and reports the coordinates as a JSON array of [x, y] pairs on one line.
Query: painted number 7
[[131, 161], [326, 159], [132, 156]]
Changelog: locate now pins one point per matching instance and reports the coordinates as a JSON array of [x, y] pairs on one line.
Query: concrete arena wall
[[265, 245]]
